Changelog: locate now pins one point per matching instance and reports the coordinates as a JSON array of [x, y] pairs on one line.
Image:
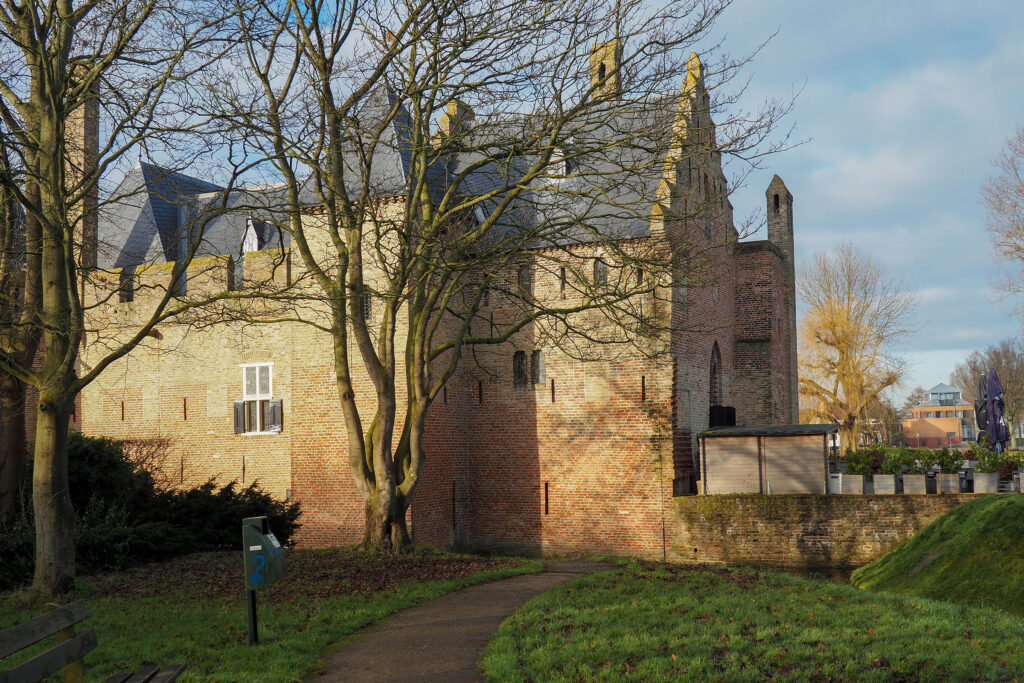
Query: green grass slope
[[974, 554], [654, 622]]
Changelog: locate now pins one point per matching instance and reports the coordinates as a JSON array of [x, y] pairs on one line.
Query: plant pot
[[851, 484], [947, 483], [986, 482], [915, 484], [887, 484]]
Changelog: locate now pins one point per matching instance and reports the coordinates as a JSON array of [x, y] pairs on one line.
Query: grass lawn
[[193, 609], [973, 554], [661, 623]]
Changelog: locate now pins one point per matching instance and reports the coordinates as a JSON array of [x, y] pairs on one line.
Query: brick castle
[[529, 449]]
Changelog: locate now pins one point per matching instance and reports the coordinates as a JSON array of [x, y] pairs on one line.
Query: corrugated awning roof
[[772, 430]]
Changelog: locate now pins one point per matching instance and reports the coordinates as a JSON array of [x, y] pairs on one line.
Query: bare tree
[[1003, 195], [856, 314], [563, 132], [1007, 359], [64, 63], [915, 398]]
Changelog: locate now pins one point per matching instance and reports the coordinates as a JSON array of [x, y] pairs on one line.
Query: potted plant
[[915, 480], [948, 479], [888, 481], [986, 472], [858, 464]]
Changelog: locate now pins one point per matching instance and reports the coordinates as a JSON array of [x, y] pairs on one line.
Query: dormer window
[[251, 239], [562, 163]]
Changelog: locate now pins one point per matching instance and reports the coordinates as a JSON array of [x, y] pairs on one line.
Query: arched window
[[601, 72], [776, 203], [715, 386], [519, 376]]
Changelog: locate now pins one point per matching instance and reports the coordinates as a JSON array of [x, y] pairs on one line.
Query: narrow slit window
[[600, 273], [523, 278], [519, 376], [561, 281], [537, 366], [367, 302], [126, 285]]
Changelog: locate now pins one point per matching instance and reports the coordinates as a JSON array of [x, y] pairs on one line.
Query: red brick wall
[[799, 530], [761, 392]]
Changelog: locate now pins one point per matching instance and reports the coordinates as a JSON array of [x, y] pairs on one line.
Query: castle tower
[[780, 233], [605, 77], [81, 144]]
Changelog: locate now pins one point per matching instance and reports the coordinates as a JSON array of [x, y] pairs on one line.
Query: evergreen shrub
[[123, 518]]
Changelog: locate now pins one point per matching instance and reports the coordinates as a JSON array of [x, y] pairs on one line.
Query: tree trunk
[[386, 530], [12, 441], [54, 516]]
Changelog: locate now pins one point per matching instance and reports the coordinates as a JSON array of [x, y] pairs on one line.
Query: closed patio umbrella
[[998, 434]]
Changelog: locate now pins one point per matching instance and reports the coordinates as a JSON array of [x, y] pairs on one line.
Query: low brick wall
[[800, 531]]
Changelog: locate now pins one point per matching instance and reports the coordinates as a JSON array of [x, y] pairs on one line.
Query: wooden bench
[[67, 654]]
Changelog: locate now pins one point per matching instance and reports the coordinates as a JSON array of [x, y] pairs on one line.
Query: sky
[[902, 108]]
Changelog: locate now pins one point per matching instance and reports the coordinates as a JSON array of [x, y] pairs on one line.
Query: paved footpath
[[444, 639]]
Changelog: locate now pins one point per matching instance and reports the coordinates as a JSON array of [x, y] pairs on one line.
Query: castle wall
[[583, 460]]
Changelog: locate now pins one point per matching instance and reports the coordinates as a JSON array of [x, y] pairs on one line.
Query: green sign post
[[264, 564]]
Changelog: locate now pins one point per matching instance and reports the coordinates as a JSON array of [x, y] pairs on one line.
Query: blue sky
[[903, 106]]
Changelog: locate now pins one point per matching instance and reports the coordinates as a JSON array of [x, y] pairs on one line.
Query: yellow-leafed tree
[[855, 314]]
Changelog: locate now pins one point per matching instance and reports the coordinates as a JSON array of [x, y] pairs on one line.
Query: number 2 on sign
[[257, 578]]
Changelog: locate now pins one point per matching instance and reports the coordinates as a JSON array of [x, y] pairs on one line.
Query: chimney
[[81, 149], [605, 76], [454, 122]]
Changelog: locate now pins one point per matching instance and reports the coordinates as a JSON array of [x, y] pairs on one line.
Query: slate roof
[[391, 164], [142, 221], [606, 193]]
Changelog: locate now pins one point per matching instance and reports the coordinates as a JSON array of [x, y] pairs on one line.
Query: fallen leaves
[[311, 574]]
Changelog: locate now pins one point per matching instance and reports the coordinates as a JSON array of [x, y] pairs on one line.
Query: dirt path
[[442, 640]]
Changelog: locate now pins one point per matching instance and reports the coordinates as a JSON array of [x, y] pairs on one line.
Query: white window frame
[[259, 398]]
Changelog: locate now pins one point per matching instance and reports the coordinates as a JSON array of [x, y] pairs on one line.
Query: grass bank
[[973, 554], [193, 609], [662, 623]]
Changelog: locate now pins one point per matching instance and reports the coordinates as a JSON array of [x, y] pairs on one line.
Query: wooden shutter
[[239, 417], [273, 420]]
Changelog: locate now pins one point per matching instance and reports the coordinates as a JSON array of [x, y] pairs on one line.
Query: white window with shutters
[[258, 412]]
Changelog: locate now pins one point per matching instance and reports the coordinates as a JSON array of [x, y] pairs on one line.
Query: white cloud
[[873, 179]]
